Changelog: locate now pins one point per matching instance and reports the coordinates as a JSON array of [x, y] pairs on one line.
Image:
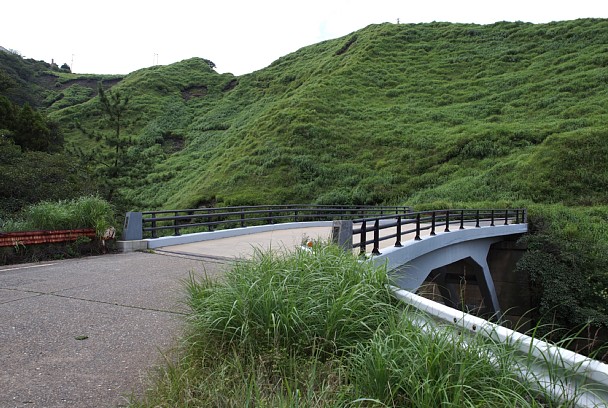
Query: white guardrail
[[560, 372]]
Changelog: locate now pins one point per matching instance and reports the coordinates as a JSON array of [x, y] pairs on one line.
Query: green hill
[[432, 114], [391, 113]]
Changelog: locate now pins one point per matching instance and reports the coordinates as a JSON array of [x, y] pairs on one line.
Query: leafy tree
[[28, 128], [6, 82], [7, 113], [29, 177]]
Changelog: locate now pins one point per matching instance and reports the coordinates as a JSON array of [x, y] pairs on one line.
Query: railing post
[[176, 225], [362, 238], [398, 242], [295, 216], [461, 219], [506, 217], [132, 228], [342, 234], [477, 219], [242, 219], [376, 250], [417, 238], [447, 221], [492, 218], [433, 224]]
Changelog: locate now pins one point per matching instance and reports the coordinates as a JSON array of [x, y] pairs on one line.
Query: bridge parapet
[[152, 224], [413, 225]]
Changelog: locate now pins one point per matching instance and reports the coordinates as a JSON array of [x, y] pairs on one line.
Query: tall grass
[[425, 366], [324, 300], [83, 212], [319, 329]]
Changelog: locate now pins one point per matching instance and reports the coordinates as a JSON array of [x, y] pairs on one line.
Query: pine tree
[[111, 159]]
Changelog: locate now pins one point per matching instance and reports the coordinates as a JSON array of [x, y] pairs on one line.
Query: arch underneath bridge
[[448, 259]]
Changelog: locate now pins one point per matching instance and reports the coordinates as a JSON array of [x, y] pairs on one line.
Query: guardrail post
[[492, 218], [433, 224], [417, 238], [447, 221], [398, 242], [376, 250], [477, 219], [242, 219], [132, 229], [461, 219], [506, 217], [342, 234]]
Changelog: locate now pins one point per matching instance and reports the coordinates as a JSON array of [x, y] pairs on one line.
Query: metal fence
[[152, 224], [416, 222]]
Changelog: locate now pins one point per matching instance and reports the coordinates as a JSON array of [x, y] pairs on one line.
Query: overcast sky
[[239, 36]]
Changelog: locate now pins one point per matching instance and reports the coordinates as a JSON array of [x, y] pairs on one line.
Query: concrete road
[[85, 332], [243, 246]]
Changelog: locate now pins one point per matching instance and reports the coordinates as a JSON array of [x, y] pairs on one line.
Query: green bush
[[83, 212], [566, 261]]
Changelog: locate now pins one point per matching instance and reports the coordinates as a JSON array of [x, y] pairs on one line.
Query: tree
[[28, 128], [7, 114], [111, 159], [28, 177]]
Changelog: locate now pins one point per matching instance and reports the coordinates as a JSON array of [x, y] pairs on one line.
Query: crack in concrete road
[[57, 294]]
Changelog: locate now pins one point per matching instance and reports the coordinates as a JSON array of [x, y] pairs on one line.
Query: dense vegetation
[[320, 329], [509, 113], [392, 113]]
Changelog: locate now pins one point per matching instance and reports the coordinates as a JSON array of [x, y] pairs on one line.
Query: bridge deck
[[243, 246]]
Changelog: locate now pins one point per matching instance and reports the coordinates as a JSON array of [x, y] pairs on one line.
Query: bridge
[[442, 254]]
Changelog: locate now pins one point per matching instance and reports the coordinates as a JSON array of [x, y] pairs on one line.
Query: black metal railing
[[176, 222], [428, 221]]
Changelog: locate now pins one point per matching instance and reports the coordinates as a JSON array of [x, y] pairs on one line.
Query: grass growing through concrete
[[320, 329]]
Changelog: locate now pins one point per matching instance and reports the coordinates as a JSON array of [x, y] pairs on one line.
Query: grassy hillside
[[392, 113], [44, 85]]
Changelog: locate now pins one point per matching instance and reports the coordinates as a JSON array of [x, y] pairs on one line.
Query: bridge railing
[[152, 224], [432, 221]]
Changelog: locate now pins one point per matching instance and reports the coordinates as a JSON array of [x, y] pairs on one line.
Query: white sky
[[239, 36]]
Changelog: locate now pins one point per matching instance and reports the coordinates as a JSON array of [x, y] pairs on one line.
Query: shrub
[[324, 300], [566, 261], [83, 212]]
